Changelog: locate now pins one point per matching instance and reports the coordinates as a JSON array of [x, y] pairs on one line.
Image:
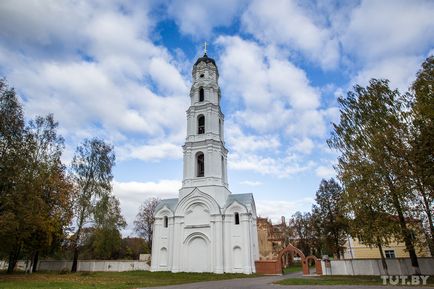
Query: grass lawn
[[292, 268], [341, 280], [106, 280]]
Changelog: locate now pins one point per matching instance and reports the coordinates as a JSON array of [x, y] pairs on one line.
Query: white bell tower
[[206, 229], [205, 155]]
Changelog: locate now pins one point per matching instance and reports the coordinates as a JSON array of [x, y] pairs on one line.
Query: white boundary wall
[[94, 265], [399, 266], [86, 265]]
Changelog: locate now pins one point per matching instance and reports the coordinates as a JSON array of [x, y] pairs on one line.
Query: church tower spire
[[205, 155]]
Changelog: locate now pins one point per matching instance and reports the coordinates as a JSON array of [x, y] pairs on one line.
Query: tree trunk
[[338, 249], [426, 204], [405, 232], [35, 261], [428, 213], [409, 243], [13, 259], [383, 259], [77, 240], [75, 260]]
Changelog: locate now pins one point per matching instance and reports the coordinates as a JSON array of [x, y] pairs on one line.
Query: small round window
[[202, 75]]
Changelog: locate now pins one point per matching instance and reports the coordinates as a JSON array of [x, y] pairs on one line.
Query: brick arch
[[274, 267], [292, 249], [318, 269]]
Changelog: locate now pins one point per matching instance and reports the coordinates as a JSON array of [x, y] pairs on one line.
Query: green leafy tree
[[92, 175], [373, 132], [108, 223], [303, 234], [333, 223], [368, 219], [12, 157], [34, 189], [48, 185], [421, 156], [132, 248], [317, 237]]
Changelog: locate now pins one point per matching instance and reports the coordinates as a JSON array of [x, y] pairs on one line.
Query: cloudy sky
[[121, 70]]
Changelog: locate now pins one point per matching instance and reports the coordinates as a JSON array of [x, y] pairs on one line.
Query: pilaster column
[[176, 244], [246, 243], [170, 248], [219, 244], [155, 246], [227, 247]]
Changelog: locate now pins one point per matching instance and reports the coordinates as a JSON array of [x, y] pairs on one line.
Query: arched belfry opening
[[201, 124], [200, 164], [201, 94], [237, 218]]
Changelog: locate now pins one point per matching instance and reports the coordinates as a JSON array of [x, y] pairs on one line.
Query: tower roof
[[205, 59]]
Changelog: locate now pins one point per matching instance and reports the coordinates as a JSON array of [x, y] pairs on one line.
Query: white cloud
[[305, 145], [280, 166], [277, 108], [240, 142], [379, 29], [388, 39], [401, 71], [251, 183], [273, 94], [133, 194], [286, 23], [325, 172], [199, 18], [289, 81], [96, 70], [167, 76], [161, 151], [276, 209]]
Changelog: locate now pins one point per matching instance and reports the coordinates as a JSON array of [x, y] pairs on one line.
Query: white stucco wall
[[203, 237], [374, 267]]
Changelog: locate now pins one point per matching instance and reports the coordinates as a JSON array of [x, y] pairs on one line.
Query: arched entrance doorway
[[198, 255]]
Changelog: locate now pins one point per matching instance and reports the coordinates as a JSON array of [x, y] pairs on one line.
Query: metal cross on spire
[[204, 47]]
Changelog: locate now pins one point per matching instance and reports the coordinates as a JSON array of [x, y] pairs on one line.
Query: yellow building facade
[[357, 250]]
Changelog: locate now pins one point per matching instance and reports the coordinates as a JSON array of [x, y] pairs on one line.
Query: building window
[[390, 254], [202, 75], [223, 168], [201, 94], [220, 128], [200, 164], [166, 222], [201, 124], [237, 218]]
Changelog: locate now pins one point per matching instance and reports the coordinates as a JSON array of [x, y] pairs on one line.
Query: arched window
[[201, 94], [237, 218], [223, 168], [200, 164], [166, 222], [201, 124]]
